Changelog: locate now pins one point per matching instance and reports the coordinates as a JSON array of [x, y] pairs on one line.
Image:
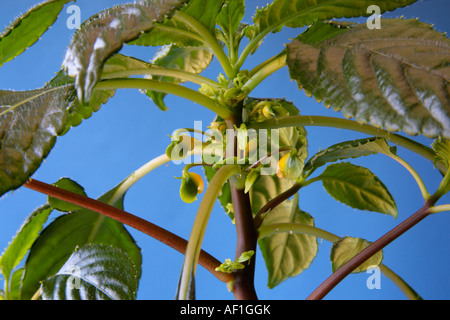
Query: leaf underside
[[30, 121], [395, 77], [346, 248], [105, 33], [358, 188], [287, 255]]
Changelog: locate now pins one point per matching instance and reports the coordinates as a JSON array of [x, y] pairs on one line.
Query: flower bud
[[290, 167], [191, 186]]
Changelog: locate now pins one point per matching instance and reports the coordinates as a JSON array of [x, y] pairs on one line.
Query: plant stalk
[[322, 121], [160, 234], [198, 230], [246, 233], [166, 87], [368, 252]]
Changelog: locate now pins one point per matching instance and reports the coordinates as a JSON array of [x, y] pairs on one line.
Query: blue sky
[[129, 131]]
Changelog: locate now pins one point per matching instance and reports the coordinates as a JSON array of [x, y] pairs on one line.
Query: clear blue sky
[[129, 131]]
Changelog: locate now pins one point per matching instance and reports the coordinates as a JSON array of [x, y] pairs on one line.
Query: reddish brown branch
[[160, 234], [368, 252]]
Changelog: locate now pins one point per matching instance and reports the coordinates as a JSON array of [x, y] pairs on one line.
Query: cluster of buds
[[262, 110], [230, 266], [227, 92]]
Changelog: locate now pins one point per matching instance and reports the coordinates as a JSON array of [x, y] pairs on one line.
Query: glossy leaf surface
[[396, 77], [94, 272]]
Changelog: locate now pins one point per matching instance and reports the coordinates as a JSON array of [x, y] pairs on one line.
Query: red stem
[[166, 237], [368, 252]]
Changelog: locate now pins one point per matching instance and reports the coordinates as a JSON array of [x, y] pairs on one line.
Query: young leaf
[[105, 33], [23, 240], [94, 272], [346, 248], [230, 17], [70, 185], [192, 59], [28, 28], [29, 124], [396, 77], [60, 238], [358, 188], [287, 255], [347, 150]]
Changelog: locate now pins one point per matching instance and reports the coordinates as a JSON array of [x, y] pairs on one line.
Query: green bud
[[191, 186], [207, 90]]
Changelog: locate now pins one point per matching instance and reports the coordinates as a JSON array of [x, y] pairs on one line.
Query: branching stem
[[368, 252]]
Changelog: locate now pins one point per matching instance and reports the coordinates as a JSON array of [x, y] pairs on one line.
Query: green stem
[[322, 121], [137, 175], [409, 292], [441, 208], [166, 87], [443, 187], [199, 227], [416, 176], [274, 65], [162, 71], [211, 40]]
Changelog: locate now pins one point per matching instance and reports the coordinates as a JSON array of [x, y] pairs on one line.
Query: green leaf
[[192, 59], [22, 242], [230, 16], [358, 188], [94, 272], [60, 238], [299, 13], [29, 124], [175, 31], [287, 255], [28, 28], [346, 248], [348, 150], [105, 33], [70, 185], [395, 77], [442, 148], [15, 284]]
